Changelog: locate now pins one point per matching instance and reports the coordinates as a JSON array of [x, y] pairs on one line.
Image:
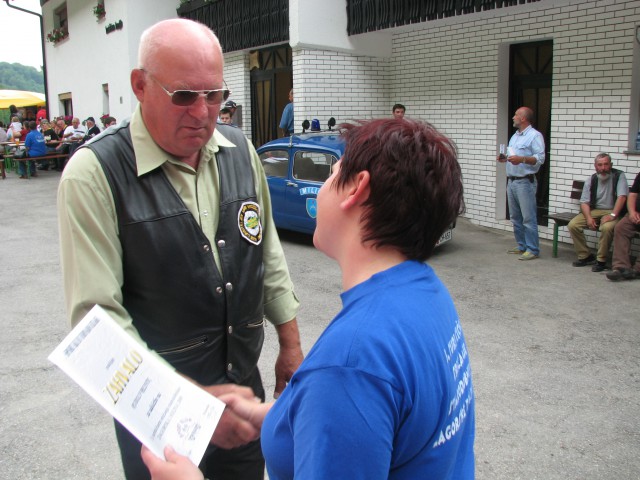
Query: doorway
[[271, 81], [531, 68]]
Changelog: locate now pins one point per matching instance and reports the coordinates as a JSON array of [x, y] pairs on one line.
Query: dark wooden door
[[531, 67], [271, 81]]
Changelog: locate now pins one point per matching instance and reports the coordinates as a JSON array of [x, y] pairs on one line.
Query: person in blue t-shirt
[[286, 121], [386, 391], [34, 143]]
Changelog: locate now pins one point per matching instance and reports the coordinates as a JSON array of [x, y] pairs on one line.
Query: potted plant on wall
[[57, 35], [99, 11]]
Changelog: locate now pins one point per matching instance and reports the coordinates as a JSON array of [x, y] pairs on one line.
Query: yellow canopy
[[20, 98]]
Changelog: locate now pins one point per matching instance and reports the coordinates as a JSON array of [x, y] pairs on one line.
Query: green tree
[[15, 76]]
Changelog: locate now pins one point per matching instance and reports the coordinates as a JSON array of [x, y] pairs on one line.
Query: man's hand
[[606, 218], [232, 431], [252, 411], [175, 467], [290, 356], [591, 223]]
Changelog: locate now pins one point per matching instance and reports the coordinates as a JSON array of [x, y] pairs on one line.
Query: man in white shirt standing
[[525, 157]]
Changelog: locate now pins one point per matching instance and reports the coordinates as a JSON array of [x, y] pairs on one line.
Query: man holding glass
[[165, 222], [524, 158]]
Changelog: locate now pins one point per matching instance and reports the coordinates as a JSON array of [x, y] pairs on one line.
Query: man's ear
[[358, 190], [138, 83]]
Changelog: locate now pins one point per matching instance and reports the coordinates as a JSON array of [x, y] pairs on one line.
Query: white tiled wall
[[448, 75], [331, 84], [236, 74], [454, 73]]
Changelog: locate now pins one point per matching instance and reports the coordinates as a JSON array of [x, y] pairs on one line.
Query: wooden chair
[[562, 219]]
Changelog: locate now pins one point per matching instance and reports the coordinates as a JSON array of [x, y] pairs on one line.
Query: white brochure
[[158, 406]]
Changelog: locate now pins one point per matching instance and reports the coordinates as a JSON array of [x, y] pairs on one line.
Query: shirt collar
[[150, 156], [524, 131]]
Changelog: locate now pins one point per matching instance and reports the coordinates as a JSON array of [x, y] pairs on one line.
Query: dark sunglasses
[[184, 98]]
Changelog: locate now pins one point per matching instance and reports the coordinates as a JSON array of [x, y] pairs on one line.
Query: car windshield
[[313, 166]]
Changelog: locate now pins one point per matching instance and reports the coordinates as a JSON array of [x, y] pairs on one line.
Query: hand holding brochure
[[158, 406]]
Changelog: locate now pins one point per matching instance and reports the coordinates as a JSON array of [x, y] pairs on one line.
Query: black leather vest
[[208, 324]]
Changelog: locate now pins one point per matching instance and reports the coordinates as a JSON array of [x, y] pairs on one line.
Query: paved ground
[[554, 351]]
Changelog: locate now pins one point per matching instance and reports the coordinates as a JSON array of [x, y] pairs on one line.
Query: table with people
[[50, 144]]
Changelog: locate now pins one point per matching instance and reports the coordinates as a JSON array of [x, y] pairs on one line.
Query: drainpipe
[[44, 58]]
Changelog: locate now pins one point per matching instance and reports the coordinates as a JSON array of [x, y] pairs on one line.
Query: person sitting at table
[[51, 140], [15, 129], [64, 132], [25, 130], [60, 127], [109, 122], [3, 133], [93, 129], [34, 143], [74, 132]]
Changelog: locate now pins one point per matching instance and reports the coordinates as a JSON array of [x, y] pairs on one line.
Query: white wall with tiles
[[341, 85], [238, 79], [454, 73]]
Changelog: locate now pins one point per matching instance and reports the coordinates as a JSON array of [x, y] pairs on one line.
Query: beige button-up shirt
[[91, 252]]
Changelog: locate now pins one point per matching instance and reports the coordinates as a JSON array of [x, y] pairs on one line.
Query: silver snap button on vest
[[221, 243], [218, 289], [229, 287], [229, 367], [206, 248], [230, 329]]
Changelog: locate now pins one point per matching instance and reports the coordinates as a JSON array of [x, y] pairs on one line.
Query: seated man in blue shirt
[[34, 143]]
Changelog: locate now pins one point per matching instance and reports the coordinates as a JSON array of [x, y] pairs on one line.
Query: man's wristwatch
[[613, 215]]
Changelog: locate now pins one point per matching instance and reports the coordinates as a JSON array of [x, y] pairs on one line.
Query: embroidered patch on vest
[[249, 222]]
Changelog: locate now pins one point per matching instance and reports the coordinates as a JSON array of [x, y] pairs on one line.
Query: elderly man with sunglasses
[[165, 221]]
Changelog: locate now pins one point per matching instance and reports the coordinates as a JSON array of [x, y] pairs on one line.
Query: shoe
[[527, 256], [622, 274], [583, 262], [23, 177], [516, 251], [614, 275], [599, 267]]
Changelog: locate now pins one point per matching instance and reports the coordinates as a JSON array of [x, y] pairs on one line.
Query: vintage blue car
[[296, 167]]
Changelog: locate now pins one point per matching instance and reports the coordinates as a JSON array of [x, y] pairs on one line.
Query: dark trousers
[[244, 463]]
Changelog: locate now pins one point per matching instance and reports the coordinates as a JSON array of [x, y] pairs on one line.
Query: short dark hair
[[33, 125], [416, 188], [398, 105], [225, 110]]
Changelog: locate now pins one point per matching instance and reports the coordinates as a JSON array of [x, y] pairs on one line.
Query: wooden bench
[[562, 219], [51, 156]]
